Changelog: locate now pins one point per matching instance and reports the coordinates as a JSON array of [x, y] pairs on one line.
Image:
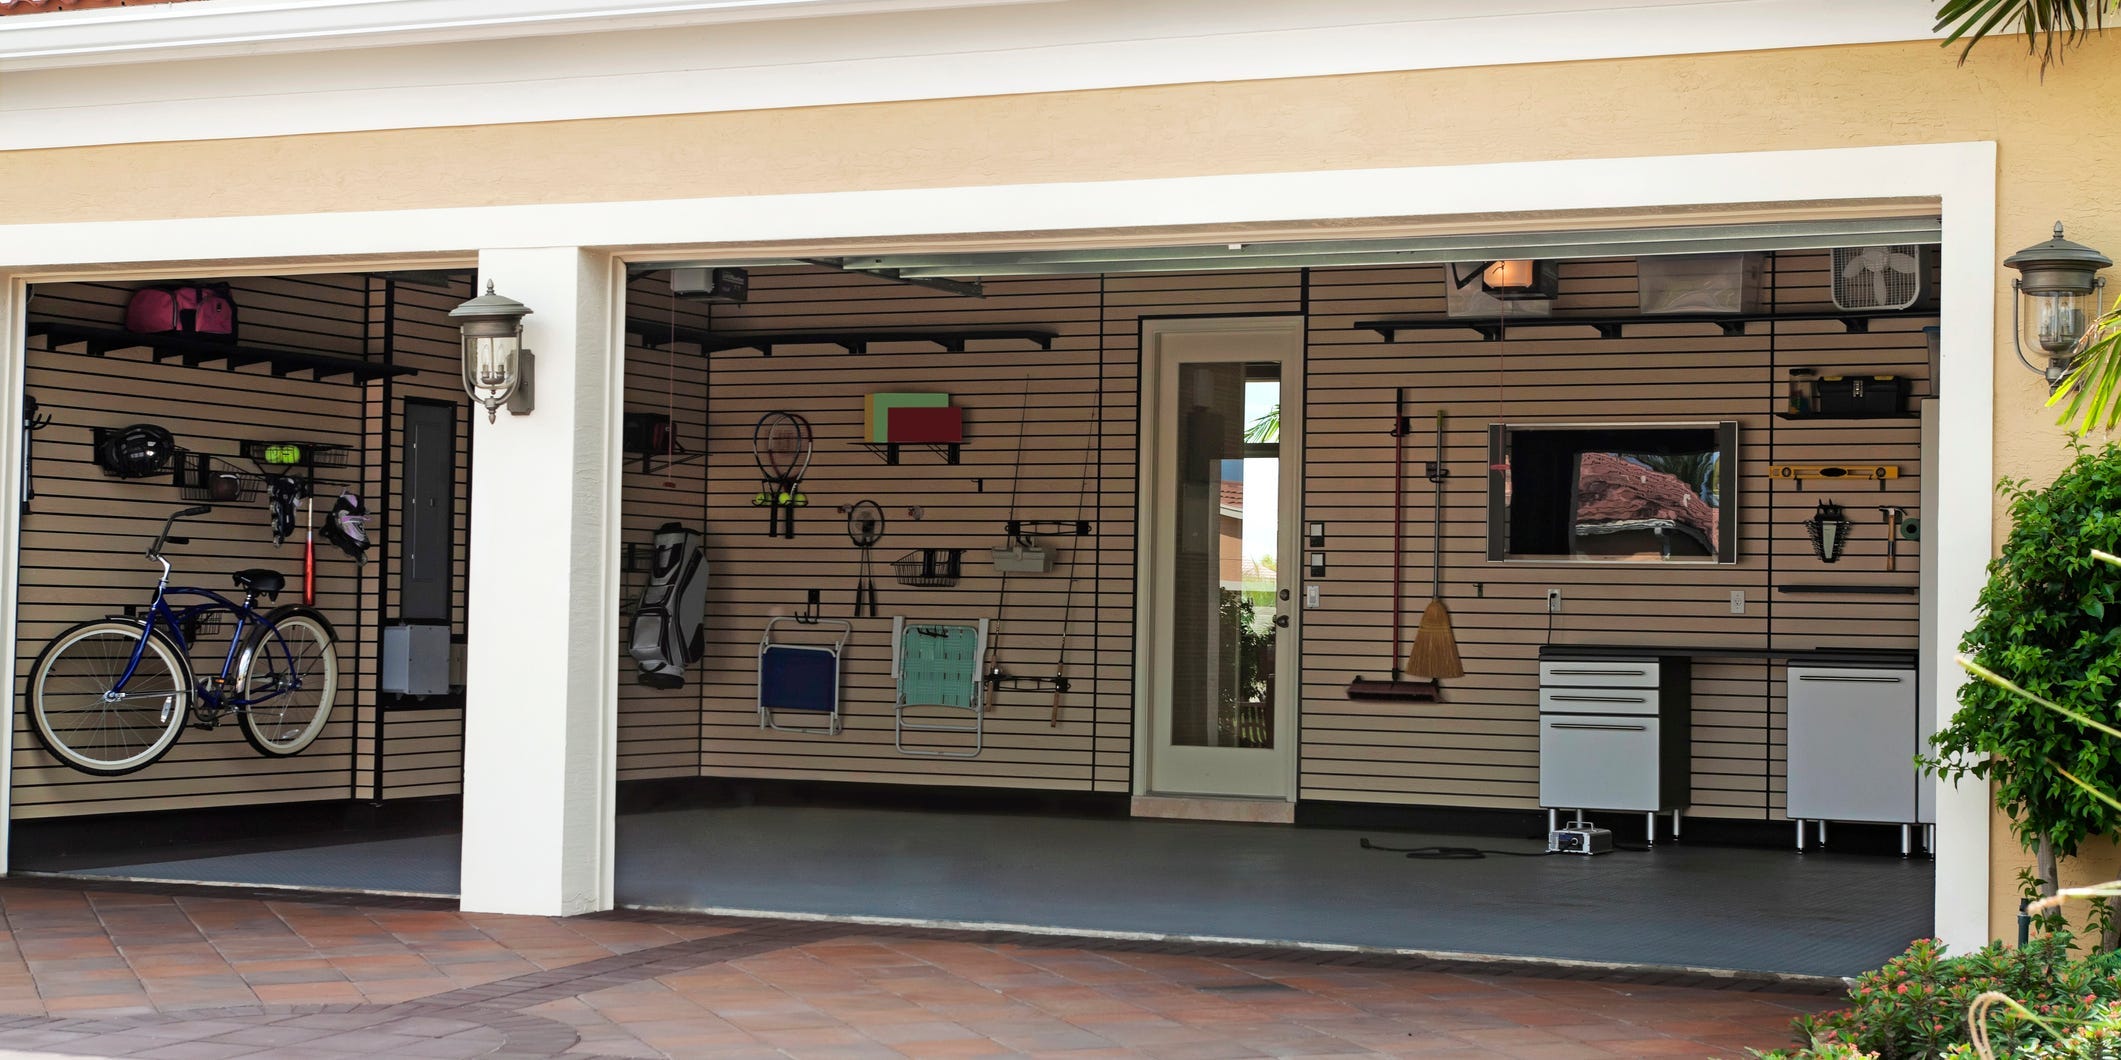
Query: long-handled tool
[[1435, 650], [309, 557], [1893, 515], [1396, 686], [1060, 662]]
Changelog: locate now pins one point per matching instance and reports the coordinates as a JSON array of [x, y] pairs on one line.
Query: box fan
[[1895, 276]]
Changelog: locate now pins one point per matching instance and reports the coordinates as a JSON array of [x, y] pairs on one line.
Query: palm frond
[[2050, 26]]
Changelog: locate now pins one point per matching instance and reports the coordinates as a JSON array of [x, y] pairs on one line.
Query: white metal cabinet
[[1603, 760], [1852, 743]]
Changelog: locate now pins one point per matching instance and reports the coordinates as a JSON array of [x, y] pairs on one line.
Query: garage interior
[[1036, 820]]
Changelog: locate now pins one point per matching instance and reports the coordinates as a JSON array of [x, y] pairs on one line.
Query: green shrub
[[2098, 1038], [1914, 1007]]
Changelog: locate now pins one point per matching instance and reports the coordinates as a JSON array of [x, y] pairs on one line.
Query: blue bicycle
[[111, 696]]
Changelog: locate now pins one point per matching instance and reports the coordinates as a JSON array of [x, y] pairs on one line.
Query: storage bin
[[1862, 395], [1699, 283]]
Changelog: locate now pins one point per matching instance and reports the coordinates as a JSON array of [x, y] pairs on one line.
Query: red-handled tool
[[309, 557]]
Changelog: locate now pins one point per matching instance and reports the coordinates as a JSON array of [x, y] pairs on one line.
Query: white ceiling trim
[[868, 51]]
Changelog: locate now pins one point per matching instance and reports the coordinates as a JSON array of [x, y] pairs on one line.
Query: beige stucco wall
[[2053, 163]]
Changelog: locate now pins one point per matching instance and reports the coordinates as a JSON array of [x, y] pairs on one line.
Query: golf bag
[[668, 633]]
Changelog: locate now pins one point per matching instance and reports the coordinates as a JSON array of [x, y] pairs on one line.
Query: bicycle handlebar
[[154, 551]]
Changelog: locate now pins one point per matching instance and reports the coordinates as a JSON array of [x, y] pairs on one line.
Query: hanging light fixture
[[2056, 302], [1520, 279], [497, 369]]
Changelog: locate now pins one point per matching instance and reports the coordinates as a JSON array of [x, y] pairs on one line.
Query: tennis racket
[[782, 444], [865, 527]]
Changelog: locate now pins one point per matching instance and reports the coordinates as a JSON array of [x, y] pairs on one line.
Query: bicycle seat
[[265, 583]]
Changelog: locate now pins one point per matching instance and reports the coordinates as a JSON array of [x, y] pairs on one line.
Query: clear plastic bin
[[1700, 283]]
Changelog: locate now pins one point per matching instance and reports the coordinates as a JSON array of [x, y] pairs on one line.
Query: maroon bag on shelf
[[196, 309]]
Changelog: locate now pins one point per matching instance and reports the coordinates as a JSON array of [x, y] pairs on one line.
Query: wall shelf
[[194, 352], [1848, 416], [1613, 326], [1848, 589], [889, 452], [656, 333]]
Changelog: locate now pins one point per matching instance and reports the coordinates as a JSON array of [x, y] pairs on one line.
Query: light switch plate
[[1310, 596], [1738, 601]]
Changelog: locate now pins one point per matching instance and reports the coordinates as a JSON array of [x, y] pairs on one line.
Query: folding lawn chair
[[801, 678], [937, 667]]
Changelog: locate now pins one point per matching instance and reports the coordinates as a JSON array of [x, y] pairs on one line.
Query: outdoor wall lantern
[[497, 369], [2057, 299], [1515, 279]]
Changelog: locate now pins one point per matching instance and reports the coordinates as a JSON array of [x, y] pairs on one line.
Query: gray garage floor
[[1692, 906]]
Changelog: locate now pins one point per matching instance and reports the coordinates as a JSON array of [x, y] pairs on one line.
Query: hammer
[[1893, 515]]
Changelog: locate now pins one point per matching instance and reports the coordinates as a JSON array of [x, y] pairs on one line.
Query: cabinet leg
[[1800, 836], [1675, 826], [1907, 840], [1822, 833], [1649, 829], [1929, 839], [1553, 821]]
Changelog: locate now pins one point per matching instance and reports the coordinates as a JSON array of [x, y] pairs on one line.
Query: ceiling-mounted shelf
[[657, 333], [194, 352], [1615, 325]]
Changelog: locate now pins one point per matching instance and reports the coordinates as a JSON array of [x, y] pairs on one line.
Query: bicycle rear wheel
[[80, 718], [289, 671]]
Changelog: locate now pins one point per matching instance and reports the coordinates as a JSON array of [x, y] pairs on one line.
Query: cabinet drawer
[[1599, 762], [1597, 700], [1598, 673]]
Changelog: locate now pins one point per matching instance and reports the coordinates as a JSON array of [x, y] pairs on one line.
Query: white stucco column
[[541, 697]]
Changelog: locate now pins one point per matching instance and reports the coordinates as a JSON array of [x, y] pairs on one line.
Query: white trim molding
[[1960, 178], [254, 68]]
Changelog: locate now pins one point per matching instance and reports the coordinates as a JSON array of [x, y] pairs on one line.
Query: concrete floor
[[1686, 906]]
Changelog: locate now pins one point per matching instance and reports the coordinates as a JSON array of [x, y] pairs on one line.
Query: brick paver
[[187, 973]]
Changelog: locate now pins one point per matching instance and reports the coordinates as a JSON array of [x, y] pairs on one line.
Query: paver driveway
[[162, 972]]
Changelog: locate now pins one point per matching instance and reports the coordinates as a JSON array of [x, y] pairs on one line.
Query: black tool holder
[[32, 422]]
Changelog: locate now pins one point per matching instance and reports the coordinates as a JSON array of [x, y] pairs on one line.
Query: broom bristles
[[1434, 652]]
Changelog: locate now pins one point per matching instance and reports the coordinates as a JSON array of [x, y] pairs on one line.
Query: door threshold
[[1240, 809]]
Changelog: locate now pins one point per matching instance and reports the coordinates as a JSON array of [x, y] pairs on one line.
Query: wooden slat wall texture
[[1478, 748], [82, 540]]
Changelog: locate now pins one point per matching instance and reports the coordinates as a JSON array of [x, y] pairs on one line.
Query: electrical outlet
[[1738, 601], [1553, 601], [1310, 596]]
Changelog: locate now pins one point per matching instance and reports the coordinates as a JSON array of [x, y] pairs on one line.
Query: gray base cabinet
[[1852, 742]]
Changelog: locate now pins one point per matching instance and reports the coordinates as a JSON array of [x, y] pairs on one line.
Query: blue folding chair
[[801, 678]]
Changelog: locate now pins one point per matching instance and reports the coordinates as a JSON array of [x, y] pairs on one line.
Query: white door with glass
[[1216, 665]]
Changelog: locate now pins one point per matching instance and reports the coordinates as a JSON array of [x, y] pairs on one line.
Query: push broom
[[1396, 686], [1435, 650]]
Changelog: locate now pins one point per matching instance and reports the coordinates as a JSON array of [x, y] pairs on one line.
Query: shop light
[[2057, 300], [497, 369], [1515, 279]]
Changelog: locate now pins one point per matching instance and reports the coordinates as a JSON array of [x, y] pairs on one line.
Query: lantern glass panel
[[490, 360], [2054, 321]]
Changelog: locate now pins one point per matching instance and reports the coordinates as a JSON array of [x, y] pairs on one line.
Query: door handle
[[1281, 621], [1596, 699], [1600, 728], [1850, 679]]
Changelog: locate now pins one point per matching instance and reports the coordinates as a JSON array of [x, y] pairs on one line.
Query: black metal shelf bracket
[[889, 452], [655, 333], [195, 352]]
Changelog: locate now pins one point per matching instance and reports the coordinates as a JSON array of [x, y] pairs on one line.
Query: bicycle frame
[[212, 702]]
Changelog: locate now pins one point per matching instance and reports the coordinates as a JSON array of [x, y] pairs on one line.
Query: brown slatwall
[[1477, 748], [81, 543], [1480, 746]]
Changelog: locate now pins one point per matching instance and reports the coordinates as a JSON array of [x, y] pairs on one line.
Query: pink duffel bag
[[199, 309]]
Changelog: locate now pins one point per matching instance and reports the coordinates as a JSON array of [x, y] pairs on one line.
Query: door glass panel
[[1224, 571]]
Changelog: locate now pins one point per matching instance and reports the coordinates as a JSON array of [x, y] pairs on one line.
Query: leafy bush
[[2047, 623], [1914, 1007], [2098, 1038]]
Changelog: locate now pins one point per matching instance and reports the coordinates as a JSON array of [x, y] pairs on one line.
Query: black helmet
[[137, 451]]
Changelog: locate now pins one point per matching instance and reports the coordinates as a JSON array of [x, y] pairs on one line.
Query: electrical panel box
[[416, 660]]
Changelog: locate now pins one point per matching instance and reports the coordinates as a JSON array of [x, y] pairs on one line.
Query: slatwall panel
[[81, 543], [422, 747], [660, 729], [1082, 414], [1480, 746]]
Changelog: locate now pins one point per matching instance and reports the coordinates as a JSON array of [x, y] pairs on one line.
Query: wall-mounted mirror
[[1613, 492]]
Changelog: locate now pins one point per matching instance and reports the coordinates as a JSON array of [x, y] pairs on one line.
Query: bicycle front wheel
[[289, 674], [85, 720]]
